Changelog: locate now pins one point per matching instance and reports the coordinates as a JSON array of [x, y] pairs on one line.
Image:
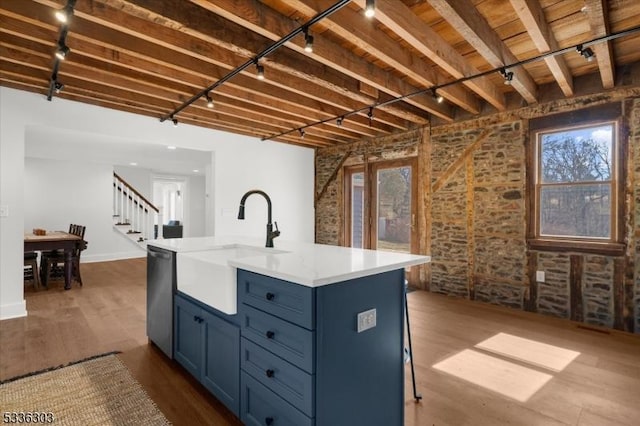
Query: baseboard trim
[[113, 256], [14, 310]]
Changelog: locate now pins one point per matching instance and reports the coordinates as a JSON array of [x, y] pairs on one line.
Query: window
[[576, 174]]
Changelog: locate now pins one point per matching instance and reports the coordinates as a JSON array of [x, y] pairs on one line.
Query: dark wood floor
[[475, 364]]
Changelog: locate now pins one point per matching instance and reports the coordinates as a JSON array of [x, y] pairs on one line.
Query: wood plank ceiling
[[149, 57]]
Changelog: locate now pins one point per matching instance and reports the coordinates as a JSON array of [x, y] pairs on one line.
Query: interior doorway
[[169, 195]]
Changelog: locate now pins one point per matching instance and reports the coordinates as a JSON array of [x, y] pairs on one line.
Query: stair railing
[[133, 209]]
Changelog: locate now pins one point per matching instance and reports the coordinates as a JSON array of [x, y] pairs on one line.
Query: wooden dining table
[[55, 240]]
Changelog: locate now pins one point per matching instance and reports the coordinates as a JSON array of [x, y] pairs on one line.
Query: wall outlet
[[540, 276], [4, 211], [366, 320]]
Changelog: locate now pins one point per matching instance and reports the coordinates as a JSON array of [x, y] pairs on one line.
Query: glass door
[[393, 207], [380, 207]]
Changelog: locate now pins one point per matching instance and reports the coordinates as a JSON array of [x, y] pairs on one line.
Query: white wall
[[58, 193], [139, 178], [241, 163]]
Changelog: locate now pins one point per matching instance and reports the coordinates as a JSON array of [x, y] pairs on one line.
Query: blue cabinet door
[[221, 368], [188, 348]]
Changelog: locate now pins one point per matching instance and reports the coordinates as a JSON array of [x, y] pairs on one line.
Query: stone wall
[[633, 256], [476, 211]]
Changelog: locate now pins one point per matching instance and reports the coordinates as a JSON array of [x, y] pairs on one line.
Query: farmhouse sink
[[207, 276]]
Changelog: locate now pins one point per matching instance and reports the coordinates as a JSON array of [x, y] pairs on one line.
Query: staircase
[[133, 215]]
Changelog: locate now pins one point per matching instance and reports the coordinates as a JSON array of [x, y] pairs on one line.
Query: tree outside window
[[575, 182]]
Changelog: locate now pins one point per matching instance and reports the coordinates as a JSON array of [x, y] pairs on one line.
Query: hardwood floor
[[475, 364]]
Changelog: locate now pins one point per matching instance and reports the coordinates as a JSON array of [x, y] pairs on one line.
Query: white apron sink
[[207, 276]]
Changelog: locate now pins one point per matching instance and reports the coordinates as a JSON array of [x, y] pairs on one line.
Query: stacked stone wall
[[634, 258], [477, 214]]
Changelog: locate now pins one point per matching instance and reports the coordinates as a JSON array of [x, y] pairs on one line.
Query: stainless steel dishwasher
[[161, 286]]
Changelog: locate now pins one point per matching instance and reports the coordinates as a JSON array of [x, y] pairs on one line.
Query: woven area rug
[[96, 391]]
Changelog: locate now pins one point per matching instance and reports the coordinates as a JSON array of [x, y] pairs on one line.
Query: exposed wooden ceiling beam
[[243, 88], [184, 20], [401, 20], [362, 33], [597, 12], [474, 28], [263, 20], [202, 56], [532, 16]]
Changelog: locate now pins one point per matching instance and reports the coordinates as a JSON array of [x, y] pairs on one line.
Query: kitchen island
[[310, 335]]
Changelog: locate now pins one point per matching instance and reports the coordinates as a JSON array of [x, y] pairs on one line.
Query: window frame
[[613, 246]]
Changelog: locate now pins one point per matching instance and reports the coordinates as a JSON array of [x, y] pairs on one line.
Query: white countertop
[[308, 264]]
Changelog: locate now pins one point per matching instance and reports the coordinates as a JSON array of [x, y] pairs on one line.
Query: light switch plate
[[4, 211], [540, 276], [366, 320]]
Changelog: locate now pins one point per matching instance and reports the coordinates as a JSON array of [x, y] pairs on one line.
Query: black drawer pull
[[270, 296], [270, 373], [268, 421], [270, 334], [197, 319]]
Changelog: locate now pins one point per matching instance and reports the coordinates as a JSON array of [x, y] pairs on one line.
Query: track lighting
[[62, 52], [57, 86], [370, 8], [308, 41], [63, 15], [370, 115], [260, 71], [209, 101], [339, 121], [301, 133], [507, 75], [439, 99], [175, 121], [586, 53]]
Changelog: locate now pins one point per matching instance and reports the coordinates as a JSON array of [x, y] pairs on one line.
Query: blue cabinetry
[[303, 361], [208, 346]]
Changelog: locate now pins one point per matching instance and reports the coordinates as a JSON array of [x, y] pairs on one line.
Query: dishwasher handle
[[158, 254]]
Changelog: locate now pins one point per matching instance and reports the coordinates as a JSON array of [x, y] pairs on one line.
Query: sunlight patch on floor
[[530, 351], [504, 377]]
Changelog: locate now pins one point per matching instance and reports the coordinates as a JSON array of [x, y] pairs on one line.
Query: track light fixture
[[209, 101], [507, 75], [301, 133], [370, 115], [439, 98], [175, 121], [260, 71], [254, 61], [370, 8], [586, 53], [63, 15], [62, 52], [339, 121], [57, 86], [308, 41]]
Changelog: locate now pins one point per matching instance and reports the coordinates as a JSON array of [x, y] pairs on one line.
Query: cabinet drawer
[[289, 301], [294, 344], [292, 384], [262, 407]]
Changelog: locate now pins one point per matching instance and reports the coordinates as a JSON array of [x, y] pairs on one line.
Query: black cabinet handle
[[270, 373], [270, 334], [270, 296], [268, 421], [198, 319]]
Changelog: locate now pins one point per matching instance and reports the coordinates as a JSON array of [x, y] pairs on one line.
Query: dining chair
[[31, 269], [52, 263]]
